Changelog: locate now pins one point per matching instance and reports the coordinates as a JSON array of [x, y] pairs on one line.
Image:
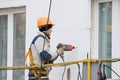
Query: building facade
[[92, 26], [12, 37]]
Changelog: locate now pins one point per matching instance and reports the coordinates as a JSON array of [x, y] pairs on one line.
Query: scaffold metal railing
[[88, 61]]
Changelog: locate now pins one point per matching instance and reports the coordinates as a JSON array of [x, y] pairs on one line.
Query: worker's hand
[[60, 51], [65, 47], [60, 45]]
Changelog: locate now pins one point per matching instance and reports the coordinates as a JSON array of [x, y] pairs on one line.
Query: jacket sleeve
[[54, 56]]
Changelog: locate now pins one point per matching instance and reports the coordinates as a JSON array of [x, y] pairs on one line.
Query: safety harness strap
[[29, 53], [36, 37], [38, 74]]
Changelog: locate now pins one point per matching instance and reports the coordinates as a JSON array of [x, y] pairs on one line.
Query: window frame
[[95, 26], [10, 12]]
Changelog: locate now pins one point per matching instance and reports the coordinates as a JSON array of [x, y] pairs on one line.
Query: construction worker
[[40, 48]]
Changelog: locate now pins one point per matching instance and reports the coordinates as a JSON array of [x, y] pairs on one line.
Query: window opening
[[105, 32]]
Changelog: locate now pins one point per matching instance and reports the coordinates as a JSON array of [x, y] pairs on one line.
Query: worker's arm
[[46, 54]]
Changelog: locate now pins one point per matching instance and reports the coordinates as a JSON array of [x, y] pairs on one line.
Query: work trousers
[[42, 76], [36, 79], [32, 77]]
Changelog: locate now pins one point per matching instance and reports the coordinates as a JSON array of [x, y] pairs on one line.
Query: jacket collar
[[46, 36]]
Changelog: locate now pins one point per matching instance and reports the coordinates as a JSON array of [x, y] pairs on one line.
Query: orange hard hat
[[44, 21]]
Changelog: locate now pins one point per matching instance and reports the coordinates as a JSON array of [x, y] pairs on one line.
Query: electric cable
[[104, 74], [49, 10], [62, 57], [79, 75], [99, 72], [112, 70], [47, 21], [115, 60]]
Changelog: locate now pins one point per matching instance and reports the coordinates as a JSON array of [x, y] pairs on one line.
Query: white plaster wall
[[115, 36], [12, 3], [72, 22]]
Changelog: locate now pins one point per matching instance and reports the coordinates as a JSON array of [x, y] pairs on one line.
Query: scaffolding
[[86, 61]]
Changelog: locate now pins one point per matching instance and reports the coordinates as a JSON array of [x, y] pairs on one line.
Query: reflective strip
[[42, 77], [32, 77]]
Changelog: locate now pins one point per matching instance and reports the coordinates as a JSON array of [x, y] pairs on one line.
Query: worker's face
[[48, 32]]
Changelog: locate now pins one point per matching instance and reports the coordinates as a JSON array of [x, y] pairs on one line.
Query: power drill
[[66, 47]]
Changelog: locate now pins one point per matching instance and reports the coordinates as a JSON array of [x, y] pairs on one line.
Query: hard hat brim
[[46, 27]]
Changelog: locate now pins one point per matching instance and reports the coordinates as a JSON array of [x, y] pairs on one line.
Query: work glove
[[60, 51], [60, 45], [65, 47]]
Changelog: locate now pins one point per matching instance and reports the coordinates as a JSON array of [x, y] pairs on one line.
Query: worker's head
[[45, 25]]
